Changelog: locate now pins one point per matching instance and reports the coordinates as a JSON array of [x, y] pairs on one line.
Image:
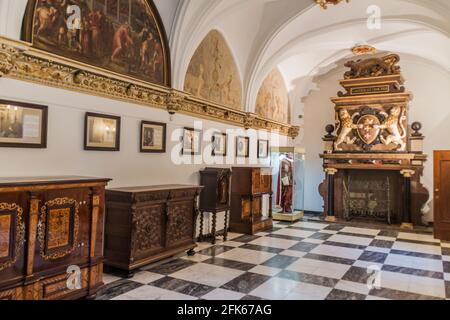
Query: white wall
[[430, 85]]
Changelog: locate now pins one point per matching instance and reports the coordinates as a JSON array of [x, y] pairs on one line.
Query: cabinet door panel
[[148, 237], [13, 208], [63, 229], [180, 223]]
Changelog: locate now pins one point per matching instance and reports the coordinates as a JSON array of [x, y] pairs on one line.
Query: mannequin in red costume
[[286, 181]]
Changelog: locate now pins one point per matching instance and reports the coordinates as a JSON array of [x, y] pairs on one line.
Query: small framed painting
[[242, 147], [153, 137], [219, 144], [101, 132], [23, 125], [263, 148], [192, 141]]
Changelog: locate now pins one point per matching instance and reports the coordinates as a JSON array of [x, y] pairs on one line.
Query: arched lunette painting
[[123, 36]]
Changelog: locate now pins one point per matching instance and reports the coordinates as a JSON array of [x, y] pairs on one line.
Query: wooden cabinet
[[147, 224], [249, 186], [215, 197], [51, 237]]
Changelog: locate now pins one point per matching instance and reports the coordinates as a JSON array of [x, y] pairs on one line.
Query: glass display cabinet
[[288, 165]]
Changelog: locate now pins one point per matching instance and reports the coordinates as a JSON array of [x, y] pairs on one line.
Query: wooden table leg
[[200, 237], [214, 225], [225, 230]]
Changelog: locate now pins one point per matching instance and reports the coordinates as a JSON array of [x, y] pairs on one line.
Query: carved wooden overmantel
[[372, 134], [19, 60]]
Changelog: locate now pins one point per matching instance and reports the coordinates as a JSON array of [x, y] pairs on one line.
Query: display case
[[288, 165]]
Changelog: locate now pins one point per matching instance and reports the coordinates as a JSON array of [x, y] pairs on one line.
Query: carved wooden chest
[[51, 237], [147, 224]]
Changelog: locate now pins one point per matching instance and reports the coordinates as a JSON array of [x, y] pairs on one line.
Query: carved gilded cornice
[[18, 60]]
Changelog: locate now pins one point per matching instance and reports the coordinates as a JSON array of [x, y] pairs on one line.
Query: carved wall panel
[[179, 224], [213, 74], [273, 99], [148, 229], [58, 228]]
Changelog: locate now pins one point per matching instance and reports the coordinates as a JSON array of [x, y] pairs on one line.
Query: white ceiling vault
[[303, 40], [295, 35]]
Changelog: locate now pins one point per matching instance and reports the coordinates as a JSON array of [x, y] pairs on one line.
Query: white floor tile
[[109, 278], [446, 258], [155, 293], [427, 286], [295, 233], [364, 231], [222, 294], [246, 255], [306, 291], [294, 253], [418, 237], [375, 298], [414, 247], [196, 258], [319, 268], [233, 244], [447, 276], [391, 239], [339, 252], [273, 242], [378, 249], [311, 225], [267, 271], [394, 280], [208, 274], [350, 239], [367, 264], [353, 287], [146, 277], [414, 262], [274, 289]]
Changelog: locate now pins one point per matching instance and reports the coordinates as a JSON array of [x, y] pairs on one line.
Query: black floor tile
[[280, 261], [182, 286], [246, 282]]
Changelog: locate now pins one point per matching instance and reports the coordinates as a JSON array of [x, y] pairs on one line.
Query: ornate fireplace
[[373, 160]]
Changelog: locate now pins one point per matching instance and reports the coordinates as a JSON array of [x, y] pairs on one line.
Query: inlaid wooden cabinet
[[51, 237], [249, 186], [147, 224]]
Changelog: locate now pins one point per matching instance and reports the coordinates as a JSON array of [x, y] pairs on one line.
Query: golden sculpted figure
[[346, 125], [393, 124], [373, 67]]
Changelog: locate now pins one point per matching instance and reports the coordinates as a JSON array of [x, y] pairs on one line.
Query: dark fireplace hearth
[[371, 195]]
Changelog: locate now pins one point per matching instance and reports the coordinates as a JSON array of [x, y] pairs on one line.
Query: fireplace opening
[[371, 194]]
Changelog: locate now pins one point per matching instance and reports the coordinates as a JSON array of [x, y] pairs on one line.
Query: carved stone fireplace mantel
[[373, 164]]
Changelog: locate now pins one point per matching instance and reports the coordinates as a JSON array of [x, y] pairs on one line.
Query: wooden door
[[442, 195]]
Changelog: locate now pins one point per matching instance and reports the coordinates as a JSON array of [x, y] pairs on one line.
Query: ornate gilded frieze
[[18, 60], [58, 228], [12, 232]]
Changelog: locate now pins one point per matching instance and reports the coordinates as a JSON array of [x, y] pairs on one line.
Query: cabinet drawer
[[56, 287], [12, 294]]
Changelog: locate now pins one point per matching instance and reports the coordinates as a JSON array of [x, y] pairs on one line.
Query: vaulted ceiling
[[303, 40]]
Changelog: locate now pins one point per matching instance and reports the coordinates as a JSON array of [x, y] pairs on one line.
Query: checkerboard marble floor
[[307, 260]]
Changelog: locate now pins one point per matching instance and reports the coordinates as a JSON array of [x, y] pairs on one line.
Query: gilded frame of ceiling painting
[[23, 61]]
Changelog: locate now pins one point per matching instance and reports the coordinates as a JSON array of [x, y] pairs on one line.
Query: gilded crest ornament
[[368, 128], [325, 3]]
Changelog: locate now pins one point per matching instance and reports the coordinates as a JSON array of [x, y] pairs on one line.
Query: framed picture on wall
[[263, 149], [101, 132], [242, 147], [23, 125], [192, 141], [153, 137], [219, 144]]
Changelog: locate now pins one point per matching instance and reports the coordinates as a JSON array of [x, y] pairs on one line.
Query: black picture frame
[[89, 115], [42, 144], [164, 136], [214, 138], [266, 149], [246, 140], [191, 150]]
